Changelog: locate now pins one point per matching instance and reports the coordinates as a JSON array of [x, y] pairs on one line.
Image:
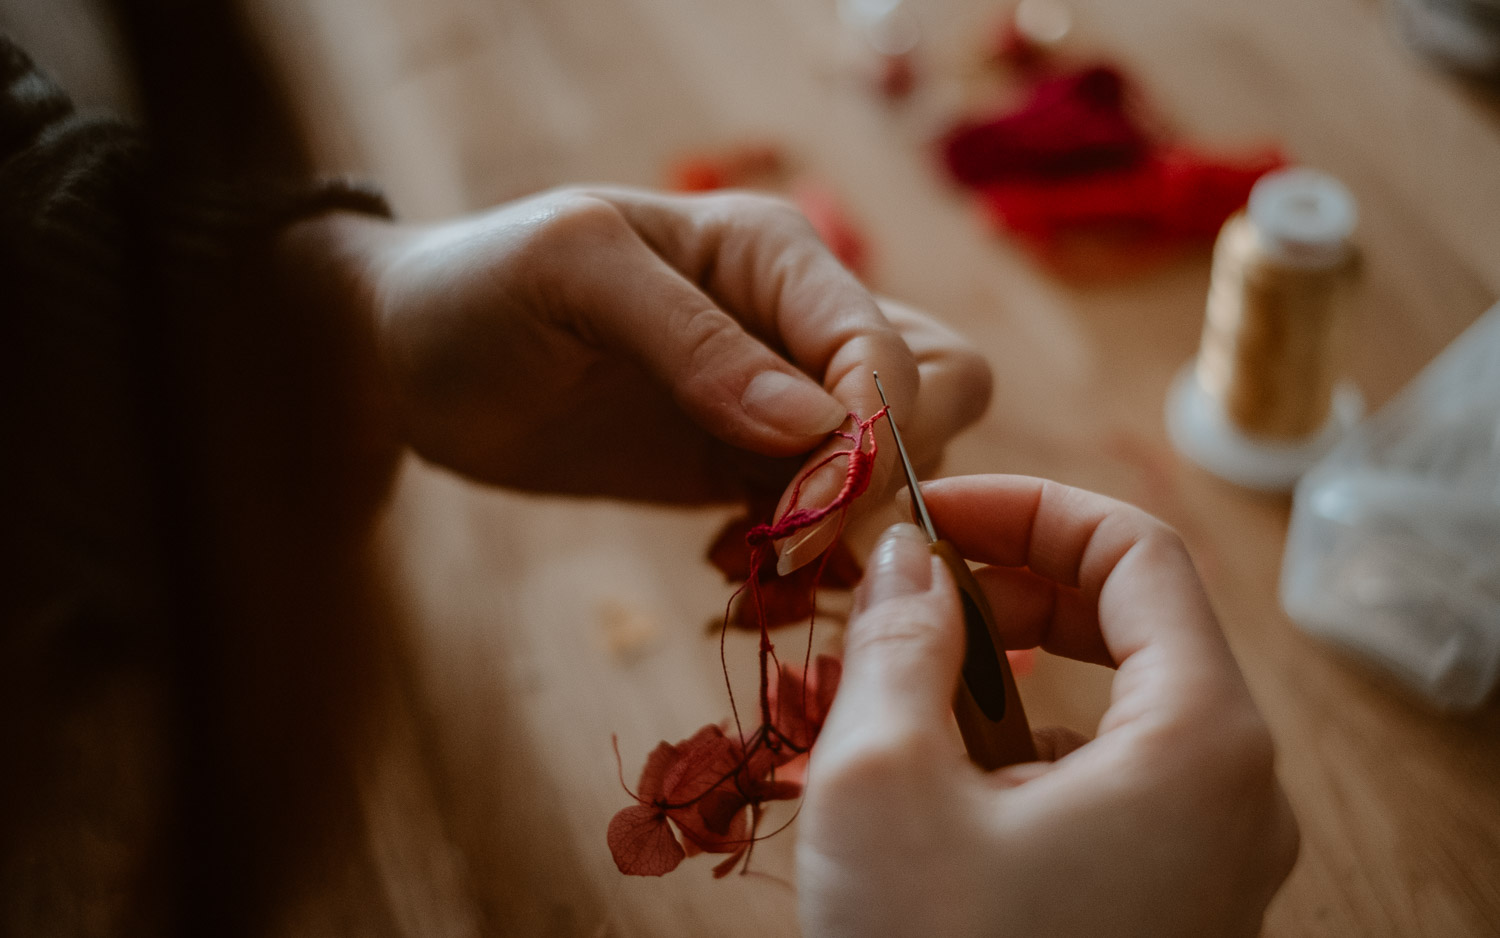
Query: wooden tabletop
[[526, 631]]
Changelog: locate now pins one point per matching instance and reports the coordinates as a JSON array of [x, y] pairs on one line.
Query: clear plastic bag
[[1394, 545]]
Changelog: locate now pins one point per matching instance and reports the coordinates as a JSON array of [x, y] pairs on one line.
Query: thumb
[[903, 648], [725, 379]]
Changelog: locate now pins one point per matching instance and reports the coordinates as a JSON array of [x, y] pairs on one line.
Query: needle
[[911, 474], [987, 705]]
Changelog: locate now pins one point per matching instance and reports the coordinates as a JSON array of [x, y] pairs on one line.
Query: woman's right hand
[[1170, 823]]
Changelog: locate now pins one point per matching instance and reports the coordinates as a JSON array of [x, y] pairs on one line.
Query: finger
[[761, 260], [1149, 609], [725, 379], [954, 387], [902, 650], [1054, 742], [1032, 611]]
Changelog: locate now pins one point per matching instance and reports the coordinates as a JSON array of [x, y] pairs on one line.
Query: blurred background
[[517, 634]]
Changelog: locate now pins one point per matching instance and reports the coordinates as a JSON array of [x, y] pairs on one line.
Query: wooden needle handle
[[987, 705]]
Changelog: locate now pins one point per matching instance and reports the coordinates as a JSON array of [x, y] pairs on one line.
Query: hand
[[1170, 823], [613, 341]]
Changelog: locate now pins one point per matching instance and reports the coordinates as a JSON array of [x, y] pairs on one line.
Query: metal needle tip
[[911, 474]]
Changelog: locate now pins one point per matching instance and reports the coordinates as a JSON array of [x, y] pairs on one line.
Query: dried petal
[[716, 824], [702, 762], [783, 600], [650, 787], [790, 599], [641, 842], [780, 789], [799, 706], [729, 552], [727, 866], [703, 785]]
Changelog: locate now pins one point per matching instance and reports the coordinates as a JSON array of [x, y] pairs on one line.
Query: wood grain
[[489, 780]]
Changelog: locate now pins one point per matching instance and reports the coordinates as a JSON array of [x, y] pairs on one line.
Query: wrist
[[331, 260], [324, 268]]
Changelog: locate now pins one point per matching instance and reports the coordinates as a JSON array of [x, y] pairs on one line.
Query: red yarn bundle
[[1075, 164], [1071, 124], [1174, 192]]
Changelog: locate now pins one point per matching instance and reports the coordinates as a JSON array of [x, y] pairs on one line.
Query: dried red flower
[[783, 599], [711, 786]]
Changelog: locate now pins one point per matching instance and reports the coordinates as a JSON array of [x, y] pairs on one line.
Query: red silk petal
[[641, 842]]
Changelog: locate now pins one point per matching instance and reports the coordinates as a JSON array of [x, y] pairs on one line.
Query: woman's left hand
[[624, 342]]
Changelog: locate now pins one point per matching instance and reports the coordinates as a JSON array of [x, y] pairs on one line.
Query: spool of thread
[[1260, 403]]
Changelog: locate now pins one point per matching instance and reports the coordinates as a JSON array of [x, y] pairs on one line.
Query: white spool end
[[1202, 431], [1305, 218]]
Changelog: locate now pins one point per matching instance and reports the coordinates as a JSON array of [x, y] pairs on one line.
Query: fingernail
[[793, 405], [900, 565], [805, 545]]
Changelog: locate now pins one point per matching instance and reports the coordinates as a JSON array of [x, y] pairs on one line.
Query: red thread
[[712, 786]]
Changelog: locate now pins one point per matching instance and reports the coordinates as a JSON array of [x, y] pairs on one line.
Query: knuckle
[[1151, 540], [1163, 539], [708, 336], [894, 629], [577, 218], [758, 212], [758, 205]]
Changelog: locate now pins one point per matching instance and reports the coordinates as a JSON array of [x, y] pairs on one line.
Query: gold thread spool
[[1281, 276]]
